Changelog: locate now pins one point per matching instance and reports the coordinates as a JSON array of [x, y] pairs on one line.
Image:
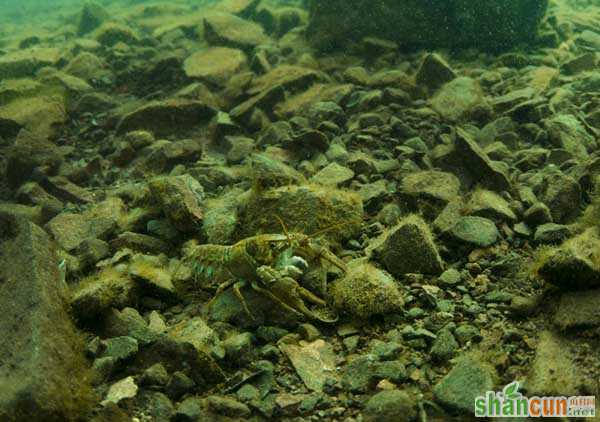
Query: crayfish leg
[[237, 286], [310, 296], [220, 291], [275, 299]]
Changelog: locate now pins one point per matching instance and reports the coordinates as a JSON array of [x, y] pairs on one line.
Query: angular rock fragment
[[41, 348]]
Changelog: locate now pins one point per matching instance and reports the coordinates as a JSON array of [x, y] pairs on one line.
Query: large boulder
[[43, 372], [486, 24]]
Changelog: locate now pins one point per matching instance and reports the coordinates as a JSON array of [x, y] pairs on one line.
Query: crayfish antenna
[[332, 227], [284, 228]]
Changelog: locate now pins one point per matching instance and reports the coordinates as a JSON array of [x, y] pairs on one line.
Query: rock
[[363, 372], [109, 288], [24, 63], [409, 248], [128, 322], [154, 280], [550, 233], [228, 407], [450, 277], [91, 17], [554, 370], [196, 332], [537, 214], [179, 385], [578, 310], [458, 99], [272, 173], [191, 409], [567, 132], [166, 117], [573, 266], [239, 348], [478, 164], [215, 65], [120, 348], [475, 231], [333, 175], [87, 66], [562, 194], [98, 222], [365, 291], [28, 153], [434, 72], [181, 356], [468, 379], [121, 390], [180, 198], [488, 204], [111, 33], [444, 346], [393, 405], [299, 206], [140, 242], [430, 191], [314, 362], [154, 405], [415, 24], [227, 30], [156, 375], [41, 347], [40, 114], [291, 78]]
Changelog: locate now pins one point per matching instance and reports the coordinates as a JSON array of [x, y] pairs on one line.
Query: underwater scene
[[299, 210]]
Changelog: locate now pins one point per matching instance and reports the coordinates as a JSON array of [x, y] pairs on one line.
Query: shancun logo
[[511, 403]]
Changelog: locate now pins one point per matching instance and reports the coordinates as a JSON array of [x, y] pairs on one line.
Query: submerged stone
[[41, 348]]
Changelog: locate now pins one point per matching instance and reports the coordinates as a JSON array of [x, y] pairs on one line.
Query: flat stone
[[223, 29], [468, 379], [215, 65], [393, 405], [41, 347], [333, 175], [314, 362], [27, 62], [476, 231], [196, 332], [121, 390], [458, 98], [166, 117], [578, 310]]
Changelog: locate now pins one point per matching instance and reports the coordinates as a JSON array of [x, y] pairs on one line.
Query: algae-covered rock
[[488, 24], [180, 198], [41, 349], [409, 248], [166, 117], [365, 291], [110, 288], [575, 264], [223, 29], [91, 17], [26, 62], [469, 378], [307, 209], [458, 99], [215, 65]]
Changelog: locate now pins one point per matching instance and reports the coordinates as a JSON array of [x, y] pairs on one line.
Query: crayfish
[[272, 265]]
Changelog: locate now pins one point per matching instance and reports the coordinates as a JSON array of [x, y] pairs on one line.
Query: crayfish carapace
[[272, 265]]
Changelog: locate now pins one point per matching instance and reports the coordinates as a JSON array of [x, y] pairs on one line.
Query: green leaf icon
[[511, 391]]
